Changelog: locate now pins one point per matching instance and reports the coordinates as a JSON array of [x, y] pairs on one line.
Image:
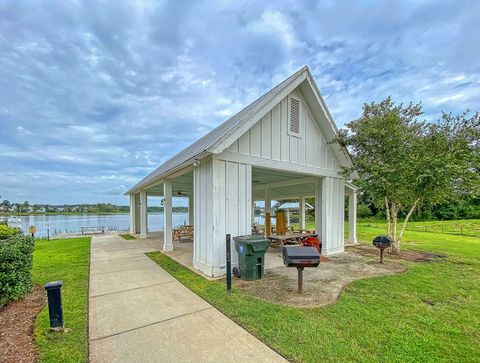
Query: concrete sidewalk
[[140, 313]]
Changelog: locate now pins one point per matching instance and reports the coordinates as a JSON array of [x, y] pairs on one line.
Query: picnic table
[[302, 230], [297, 238], [182, 232], [292, 237], [100, 229]]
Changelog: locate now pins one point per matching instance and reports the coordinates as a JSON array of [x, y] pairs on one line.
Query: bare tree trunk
[[396, 243], [387, 210], [415, 204]]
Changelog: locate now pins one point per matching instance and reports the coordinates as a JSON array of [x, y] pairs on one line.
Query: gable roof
[[216, 140]]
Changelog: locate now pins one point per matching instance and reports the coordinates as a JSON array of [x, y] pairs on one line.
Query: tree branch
[[415, 204]]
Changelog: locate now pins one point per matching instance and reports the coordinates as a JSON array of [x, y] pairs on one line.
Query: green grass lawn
[[67, 260], [465, 227], [127, 236], [431, 313]]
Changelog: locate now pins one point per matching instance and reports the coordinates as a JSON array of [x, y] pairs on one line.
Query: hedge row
[[15, 267], [7, 232]]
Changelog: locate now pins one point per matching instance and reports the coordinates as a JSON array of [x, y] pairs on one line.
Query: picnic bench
[[91, 230], [183, 232], [290, 238], [304, 239]]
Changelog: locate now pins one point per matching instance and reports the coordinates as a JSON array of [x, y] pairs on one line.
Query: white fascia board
[[173, 173], [276, 165], [285, 183], [332, 129]]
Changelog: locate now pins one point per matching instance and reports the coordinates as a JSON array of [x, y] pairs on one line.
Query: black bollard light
[[55, 310], [229, 262]]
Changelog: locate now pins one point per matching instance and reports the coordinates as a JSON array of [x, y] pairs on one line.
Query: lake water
[[116, 222]]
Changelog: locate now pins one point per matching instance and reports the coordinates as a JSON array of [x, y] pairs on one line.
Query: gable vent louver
[[294, 116]]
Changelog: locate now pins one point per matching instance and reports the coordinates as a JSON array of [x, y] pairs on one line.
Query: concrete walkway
[[140, 313]]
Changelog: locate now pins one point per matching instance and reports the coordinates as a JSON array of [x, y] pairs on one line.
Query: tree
[[404, 162]]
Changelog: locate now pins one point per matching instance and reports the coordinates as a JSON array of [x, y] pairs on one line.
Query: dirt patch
[[17, 327], [322, 285], [415, 256]]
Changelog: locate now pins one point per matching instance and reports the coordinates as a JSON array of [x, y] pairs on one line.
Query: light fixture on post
[[196, 163]]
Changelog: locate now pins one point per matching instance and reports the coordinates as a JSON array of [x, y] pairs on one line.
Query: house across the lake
[[275, 148]]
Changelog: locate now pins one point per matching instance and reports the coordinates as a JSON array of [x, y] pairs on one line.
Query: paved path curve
[[140, 313]]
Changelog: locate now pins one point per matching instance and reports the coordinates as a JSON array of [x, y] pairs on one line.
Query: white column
[[133, 208], [253, 212], [288, 217], [268, 200], [268, 219], [302, 213], [332, 215], [190, 210], [143, 214], [318, 208], [167, 216], [352, 217]]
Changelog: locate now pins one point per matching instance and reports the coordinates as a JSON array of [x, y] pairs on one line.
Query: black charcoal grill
[[300, 257], [382, 242]]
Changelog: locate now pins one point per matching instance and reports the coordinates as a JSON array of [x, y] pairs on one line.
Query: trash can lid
[[53, 285], [251, 238]]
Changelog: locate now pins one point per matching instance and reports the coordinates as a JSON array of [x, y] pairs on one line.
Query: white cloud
[[95, 95]]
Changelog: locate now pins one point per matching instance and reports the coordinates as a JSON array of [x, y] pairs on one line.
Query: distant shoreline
[[22, 214]]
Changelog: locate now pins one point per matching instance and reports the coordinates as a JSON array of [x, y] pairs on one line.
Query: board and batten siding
[[223, 204], [332, 216], [203, 212], [271, 139]]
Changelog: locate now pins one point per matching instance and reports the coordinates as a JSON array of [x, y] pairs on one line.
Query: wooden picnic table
[[307, 231], [183, 232], [100, 229], [293, 237]]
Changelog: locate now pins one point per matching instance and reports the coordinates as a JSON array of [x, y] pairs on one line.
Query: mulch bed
[[415, 256], [17, 320]]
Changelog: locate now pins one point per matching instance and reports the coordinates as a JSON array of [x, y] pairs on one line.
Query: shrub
[[7, 232], [15, 267], [363, 211]]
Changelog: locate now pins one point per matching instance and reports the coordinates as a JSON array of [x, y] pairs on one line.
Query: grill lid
[[383, 239], [300, 253]]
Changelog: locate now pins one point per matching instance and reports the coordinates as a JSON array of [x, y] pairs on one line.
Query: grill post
[[300, 280], [381, 255]]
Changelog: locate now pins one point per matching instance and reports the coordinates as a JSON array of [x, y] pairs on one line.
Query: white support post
[[318, 208], [167, 216], [143, 214], [268, 200], [302, 212], [352, 217], [288, 217], [133, 208], [190, 210]]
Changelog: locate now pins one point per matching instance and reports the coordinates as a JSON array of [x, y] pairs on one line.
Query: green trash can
[[251, 256]]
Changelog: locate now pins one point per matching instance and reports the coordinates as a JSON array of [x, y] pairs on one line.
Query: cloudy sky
[[94, 95]]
